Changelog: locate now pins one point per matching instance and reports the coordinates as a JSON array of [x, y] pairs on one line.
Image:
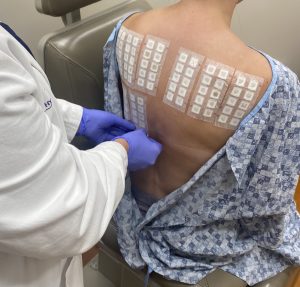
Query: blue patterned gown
[[237, 212]]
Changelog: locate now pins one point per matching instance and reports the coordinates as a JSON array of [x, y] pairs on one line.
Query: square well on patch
[[154, 67], [249, 96], [212, 104], [172, 87], [134, 113], [150, 44], [227, 110], [179, 67], [244, 105], [141, 82], [223, 119], [150, 86], [199, 100], [211, 69], [135, 41], [142, 73], [196, 109], [239, 114], [208, 113], [152, 76], [133, 51], [131, 61], [179, 101], [203, 90], [147, 54], [160, 47], [215, 94], [206, 80], [253, 85], [176, 78], [140, 101], [140, 109], [182, 92], [231, 101], [241, 81], [127, 48], [234, 122], [157, 57], [219, 84], [170, 96], [123, 35], [144, 64], [194, 62], [132, 98], [129, 38], [236, 92], [183, 57], [189, 72], [185, 82], [223, 74]]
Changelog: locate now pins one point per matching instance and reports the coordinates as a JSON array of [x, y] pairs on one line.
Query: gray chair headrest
[[61, 7]]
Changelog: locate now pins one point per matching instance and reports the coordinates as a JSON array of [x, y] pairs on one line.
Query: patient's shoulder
[[143, 21]]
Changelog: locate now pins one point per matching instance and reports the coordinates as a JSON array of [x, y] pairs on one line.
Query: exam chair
[[72, 59], [72, 56]]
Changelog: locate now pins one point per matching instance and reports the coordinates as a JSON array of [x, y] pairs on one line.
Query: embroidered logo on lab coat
[[48, 105]]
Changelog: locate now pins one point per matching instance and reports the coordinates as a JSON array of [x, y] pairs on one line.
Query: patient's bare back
[[190, 91]]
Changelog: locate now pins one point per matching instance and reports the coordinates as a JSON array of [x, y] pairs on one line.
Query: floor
[[93, 278]]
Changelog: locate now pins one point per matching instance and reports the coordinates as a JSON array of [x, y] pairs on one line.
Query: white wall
[[272, 26], [269, 25]]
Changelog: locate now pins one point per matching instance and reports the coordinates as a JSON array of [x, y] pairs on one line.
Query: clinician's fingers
[[109, 137], [117, 132], [123, 124]]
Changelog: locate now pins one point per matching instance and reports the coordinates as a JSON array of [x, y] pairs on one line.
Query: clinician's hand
[[143, 151], [99, 126]]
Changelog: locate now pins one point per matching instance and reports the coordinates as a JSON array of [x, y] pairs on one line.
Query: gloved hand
[[99, 126], [143, 151]]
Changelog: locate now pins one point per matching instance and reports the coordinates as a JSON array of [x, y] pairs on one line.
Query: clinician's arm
[[55, 201], [72, 115]]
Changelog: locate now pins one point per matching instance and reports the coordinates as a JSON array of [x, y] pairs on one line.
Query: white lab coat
[[55, 201]]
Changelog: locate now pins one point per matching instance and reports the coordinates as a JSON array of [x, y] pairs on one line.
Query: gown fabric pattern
[[237, 212]]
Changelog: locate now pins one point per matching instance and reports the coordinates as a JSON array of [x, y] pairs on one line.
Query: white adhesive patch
[[153, 54], [221, 96], [210, 91], [127, 113], [138, 109], [239, 100], [119, 48], [182, 79], [128, 48]]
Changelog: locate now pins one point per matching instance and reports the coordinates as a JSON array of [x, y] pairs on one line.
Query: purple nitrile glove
[[143, 151], [100, 126]]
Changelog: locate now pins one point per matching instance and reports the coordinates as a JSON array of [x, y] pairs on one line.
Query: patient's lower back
[[190, 91]]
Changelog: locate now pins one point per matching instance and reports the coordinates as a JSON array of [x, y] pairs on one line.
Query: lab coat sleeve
[[55, 201], [72, 115]]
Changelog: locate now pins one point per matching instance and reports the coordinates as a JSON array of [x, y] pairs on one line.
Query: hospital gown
[[237, 212]]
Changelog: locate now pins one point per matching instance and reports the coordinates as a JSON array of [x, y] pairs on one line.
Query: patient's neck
[[215, 14]]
